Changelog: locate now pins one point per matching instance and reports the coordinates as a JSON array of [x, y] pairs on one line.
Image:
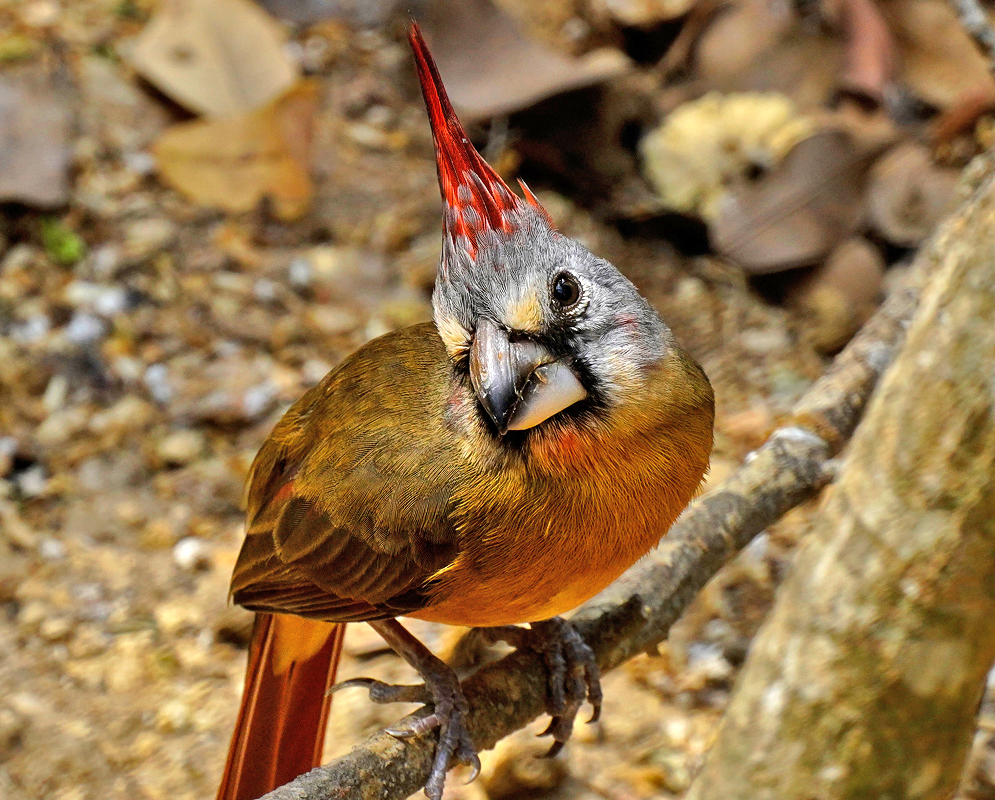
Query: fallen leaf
[[839, 295], [62, 243], [641, 13], [961, 118], [909, 194], [738, 36], [216, 57], [362, 13], [796, 213], [936, 57], [870, 128], [758, 45], [562, 25], [234, 163], [490, 68], [35, 123], [870, 57]]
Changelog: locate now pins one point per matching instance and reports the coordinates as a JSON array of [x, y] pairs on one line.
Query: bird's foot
[[441, 690], [574, 675], [449, 714], [381, 692]]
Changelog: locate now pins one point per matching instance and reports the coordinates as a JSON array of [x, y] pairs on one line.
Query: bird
[[495, 467]]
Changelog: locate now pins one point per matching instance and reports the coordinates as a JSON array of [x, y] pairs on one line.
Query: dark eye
[[566, 290]]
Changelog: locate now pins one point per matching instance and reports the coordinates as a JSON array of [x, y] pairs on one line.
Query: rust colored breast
[[539, 541]]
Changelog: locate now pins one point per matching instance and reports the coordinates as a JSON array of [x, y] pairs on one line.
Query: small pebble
[[33, 481], [257, 400], [104, 260], [192, 554], [181, 447], [144, 238], [85, 328], [12, 728], [300, 273], [314, 370], [264, 290], [55, 629], [173, 618], [32, 614], [156, 380], [674, 775], [40, 14], [51, 549], [55, 393], [173, 716], [128, 368], [332, 320], [142, 163], [33, 329], [8, 449], [111, 301], [706, 659]]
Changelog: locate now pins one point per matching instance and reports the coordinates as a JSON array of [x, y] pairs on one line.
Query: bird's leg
[[574, 675], [441, 689]]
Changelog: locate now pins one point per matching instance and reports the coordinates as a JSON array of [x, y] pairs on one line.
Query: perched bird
[[499, 466]]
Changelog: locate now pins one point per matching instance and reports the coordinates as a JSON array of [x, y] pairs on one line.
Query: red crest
[[477, 199]]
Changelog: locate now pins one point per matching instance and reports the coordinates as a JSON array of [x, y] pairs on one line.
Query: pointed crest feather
[[477, 199]]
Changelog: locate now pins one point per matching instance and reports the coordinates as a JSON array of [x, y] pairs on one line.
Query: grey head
[[540, 323]]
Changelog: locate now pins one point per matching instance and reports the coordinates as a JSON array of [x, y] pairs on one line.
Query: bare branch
[[865, 678], [635, 614]]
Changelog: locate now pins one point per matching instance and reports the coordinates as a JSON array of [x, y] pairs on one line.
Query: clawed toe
[[443, 692], [467, 755], [381, 692], [574, 676], [454, 744], [449, 716]]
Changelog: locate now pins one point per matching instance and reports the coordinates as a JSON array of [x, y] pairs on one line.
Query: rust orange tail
[[281, 723]]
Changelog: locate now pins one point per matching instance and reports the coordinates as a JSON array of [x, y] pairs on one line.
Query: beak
[[519, 384]]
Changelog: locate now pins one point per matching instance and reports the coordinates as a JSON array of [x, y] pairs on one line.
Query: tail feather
[[281, 723]]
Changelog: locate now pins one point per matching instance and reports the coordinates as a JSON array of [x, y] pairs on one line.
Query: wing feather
[[349, 499]]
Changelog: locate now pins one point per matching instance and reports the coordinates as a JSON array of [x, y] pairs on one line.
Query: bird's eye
[[566, 291]]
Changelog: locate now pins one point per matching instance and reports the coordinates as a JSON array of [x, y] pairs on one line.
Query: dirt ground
[[138, 379]]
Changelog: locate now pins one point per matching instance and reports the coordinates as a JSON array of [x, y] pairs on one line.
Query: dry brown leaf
[[839, 295], [757, 45], [233, 163], [361, 13], [731, 45], [961, 118], [937, 59], [795, 214], [490, 68], [641, 12], [909, 194], [870, 129], [553, 23], [870, 58], [216, 57], [34, 140]]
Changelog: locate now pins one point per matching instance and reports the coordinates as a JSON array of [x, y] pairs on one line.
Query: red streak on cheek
[[569, 442], [454, 403], [570, 448], [626, 320]]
